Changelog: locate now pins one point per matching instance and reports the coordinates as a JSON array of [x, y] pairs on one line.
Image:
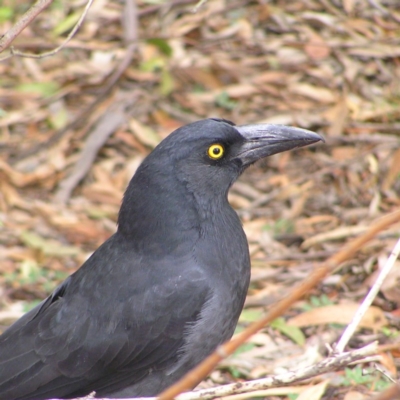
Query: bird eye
[[216, 151]]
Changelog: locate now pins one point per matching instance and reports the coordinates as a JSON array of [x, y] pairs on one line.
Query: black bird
[[161, 293]]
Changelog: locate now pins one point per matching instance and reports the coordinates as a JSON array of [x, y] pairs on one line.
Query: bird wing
[[79, 339]]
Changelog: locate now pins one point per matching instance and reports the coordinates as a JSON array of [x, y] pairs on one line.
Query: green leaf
[[48, 247], [390, 332], [382, 384], [153, 65], [355, 376], [59, 118], [57, 5], [167, 83], [280, 227], [292, 332], [30, 271], [6, 14], [238, 329], [315, 302], [223, 100], [157, 2], [162, 45], [250, 315], [45, 89], [361, 376], [32, 240], [97, 213], [67, 24], [244, 347]]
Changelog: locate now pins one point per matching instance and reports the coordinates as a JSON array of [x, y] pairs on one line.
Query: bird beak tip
[[264, 140]]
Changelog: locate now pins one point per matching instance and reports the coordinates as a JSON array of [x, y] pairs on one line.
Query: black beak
[[264, 140]]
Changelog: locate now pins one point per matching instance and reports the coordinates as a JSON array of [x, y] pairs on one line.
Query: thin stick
[[193, 377], [111, 81], [329, 364], [107, 125], [348, 333], [22, 23], [63, 44], [198, 5]]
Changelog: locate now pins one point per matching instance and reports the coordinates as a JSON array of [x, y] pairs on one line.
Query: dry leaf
[[340, 314], [314, 392], [337, 116], [353, 395], [145, 134], [320, 94], [316, 47]]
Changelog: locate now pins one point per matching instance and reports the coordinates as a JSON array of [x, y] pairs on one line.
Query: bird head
[[194, 167], [209, 155]]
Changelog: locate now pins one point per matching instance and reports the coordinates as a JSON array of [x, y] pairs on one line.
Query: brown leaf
[[320, 94], [341, 314], [337, 116], [316, 47], [394, 171]]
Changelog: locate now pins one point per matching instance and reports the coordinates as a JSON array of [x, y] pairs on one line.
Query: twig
[[130, 21], [23, 22], [83, 116], [152, 9], [329, 364], [58, 48], [199, 5], [384, 372], [386, 12], [348, 333], [194, 376], [112, 119], [107, 125], [334, 234]]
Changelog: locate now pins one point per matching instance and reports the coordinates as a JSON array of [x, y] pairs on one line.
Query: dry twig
[[113, 79], [329, 364], [28, 19], [107, 125], [332, 363], [348, 333], [22, 23], [197, 374]]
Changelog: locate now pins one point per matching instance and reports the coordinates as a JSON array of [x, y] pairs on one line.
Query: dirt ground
[[75, 125]]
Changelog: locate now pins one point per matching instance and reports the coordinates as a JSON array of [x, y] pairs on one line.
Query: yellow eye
[[216, 151]]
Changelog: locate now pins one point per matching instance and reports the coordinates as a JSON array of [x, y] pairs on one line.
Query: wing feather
[[79, 340]]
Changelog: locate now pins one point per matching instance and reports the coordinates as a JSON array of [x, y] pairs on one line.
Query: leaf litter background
[[329, 66]]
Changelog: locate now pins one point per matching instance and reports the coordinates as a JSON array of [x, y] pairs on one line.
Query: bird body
[[161, 293]]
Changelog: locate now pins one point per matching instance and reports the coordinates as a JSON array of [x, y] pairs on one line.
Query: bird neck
[[156, 215], [163, 215]]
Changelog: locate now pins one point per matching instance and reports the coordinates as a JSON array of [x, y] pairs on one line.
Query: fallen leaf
[[314, 392], [340, 314]]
